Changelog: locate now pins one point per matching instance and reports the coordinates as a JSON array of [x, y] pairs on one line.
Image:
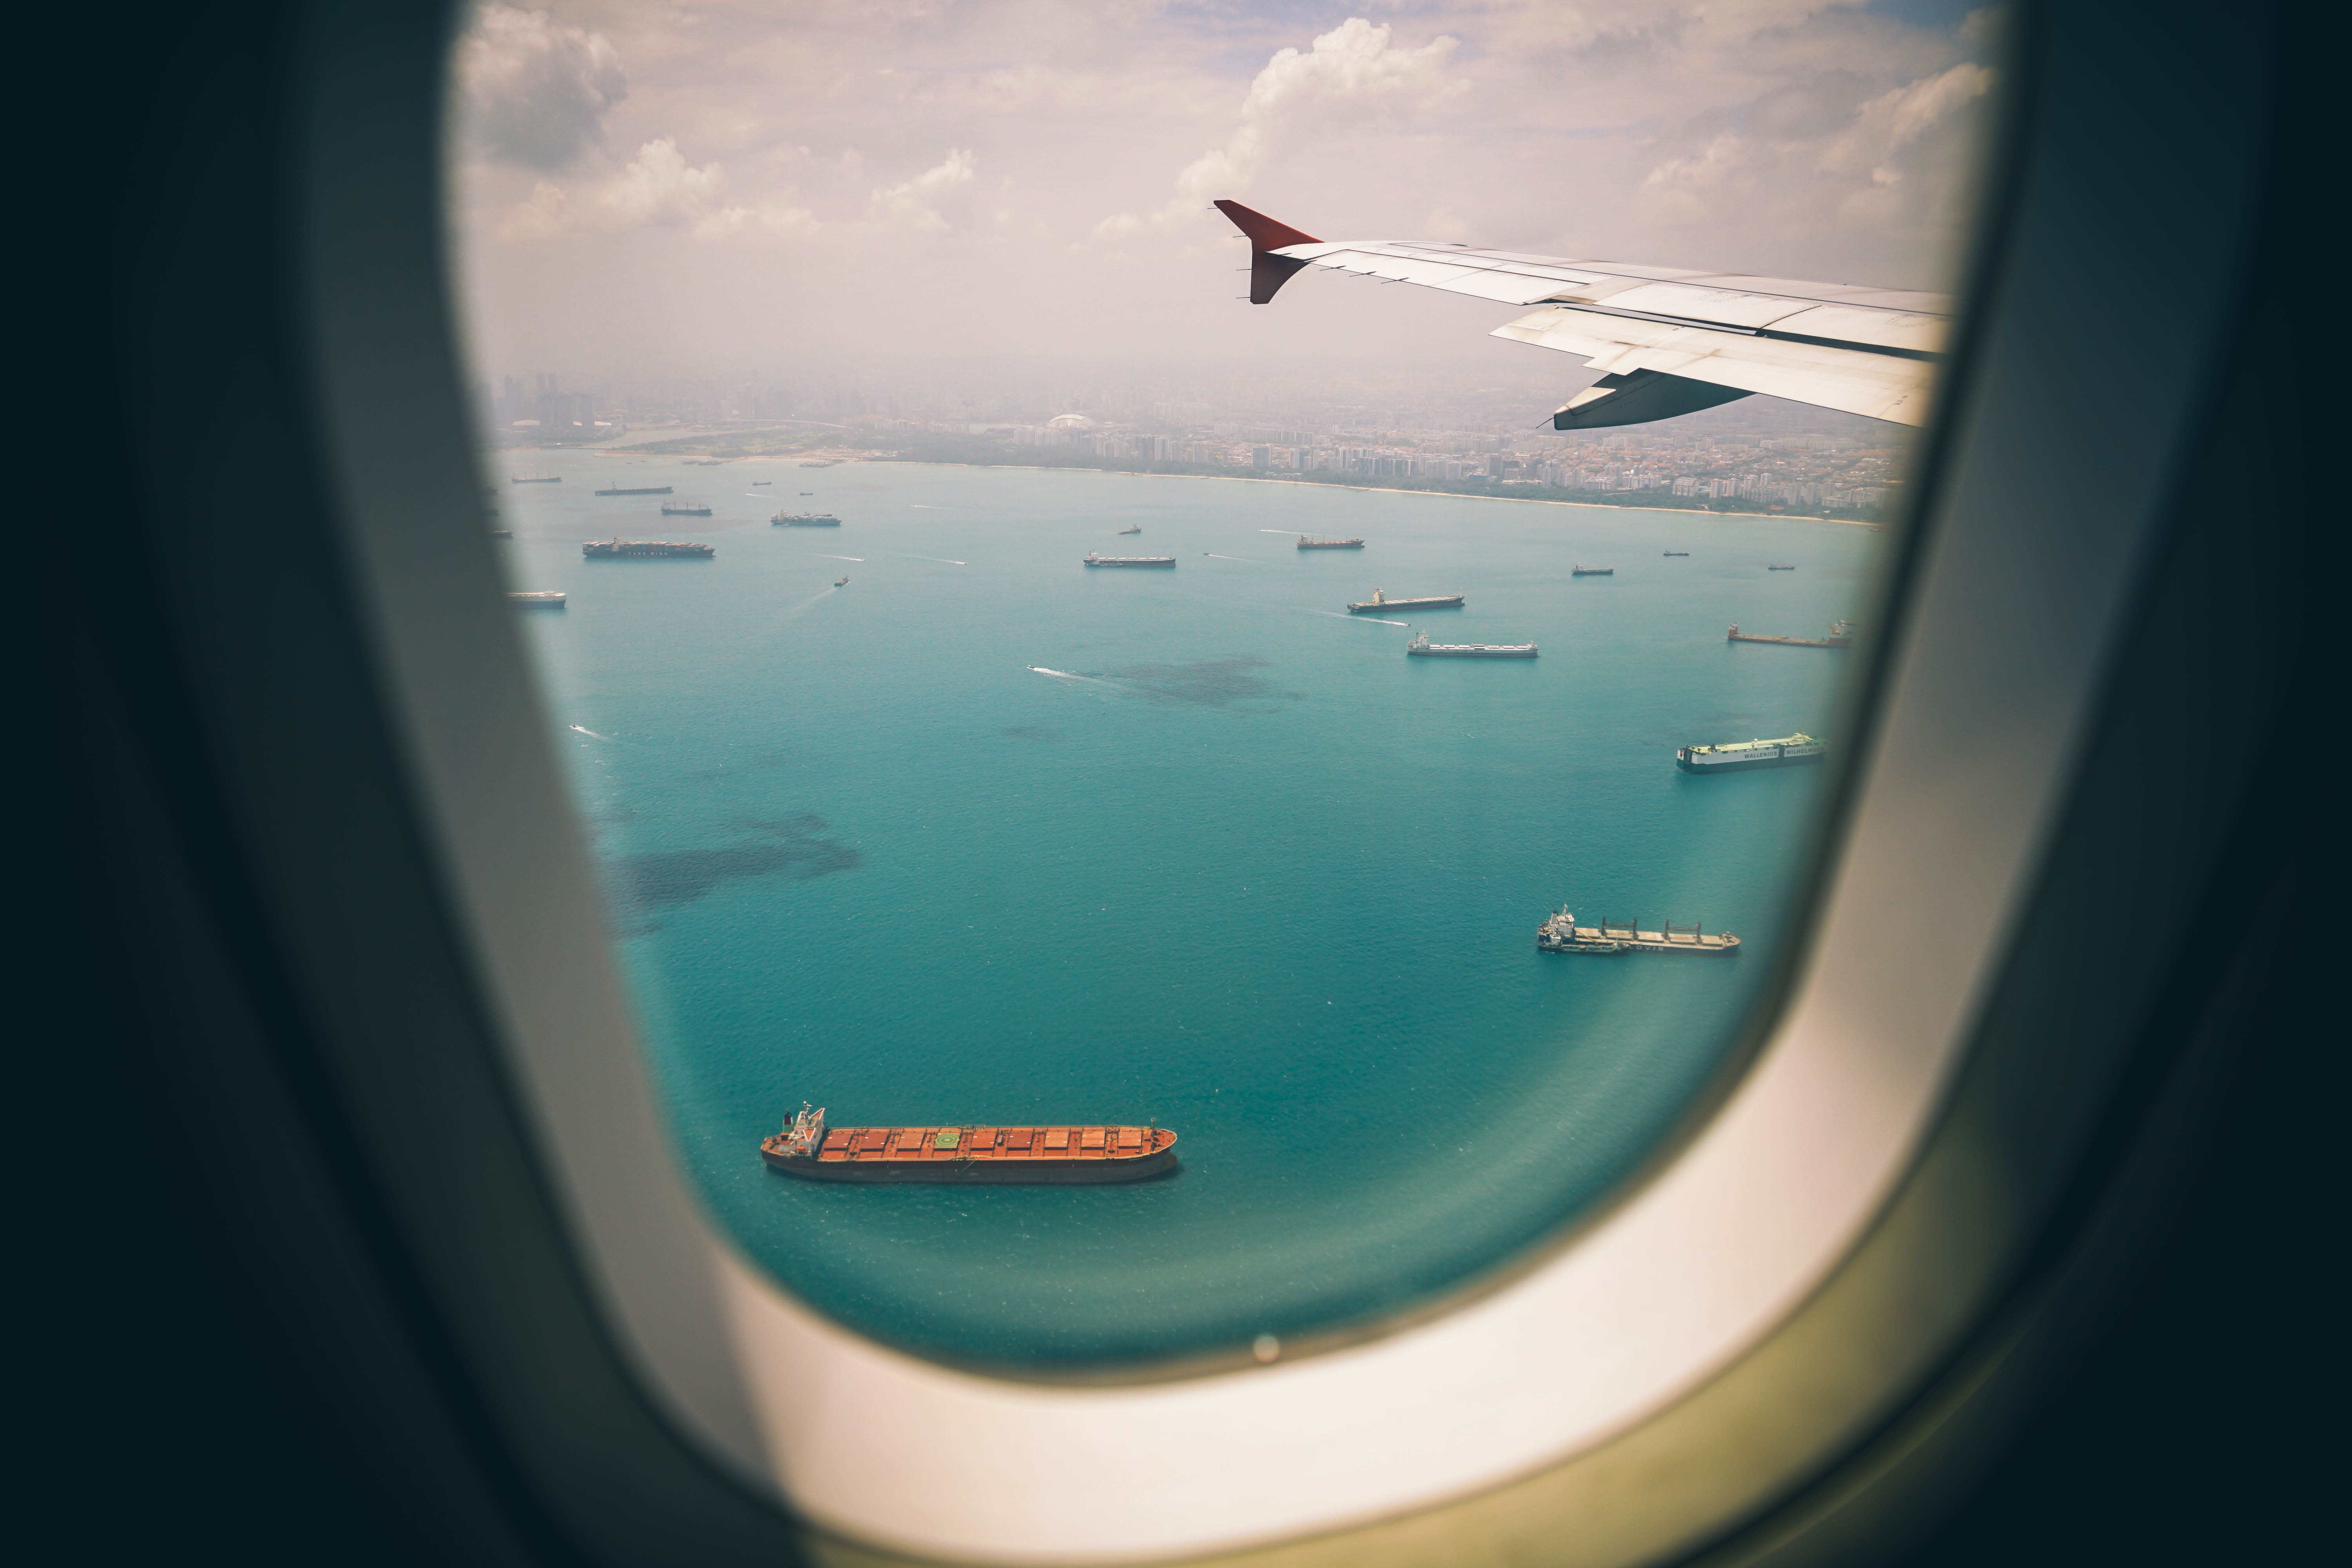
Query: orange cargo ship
[[971, 1154]]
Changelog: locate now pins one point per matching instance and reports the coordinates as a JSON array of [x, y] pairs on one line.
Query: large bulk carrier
[[1422, 647], [646, 550], [977, 1155], [1381, 603], [805, 520], [1167, 561]]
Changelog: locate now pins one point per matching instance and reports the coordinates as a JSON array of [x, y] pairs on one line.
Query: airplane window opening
[[1141, 840]]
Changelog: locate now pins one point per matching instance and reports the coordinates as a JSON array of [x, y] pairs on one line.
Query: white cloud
[[536, 93], [657, 188], [1895, 119], [917, 204], [1356, 63]]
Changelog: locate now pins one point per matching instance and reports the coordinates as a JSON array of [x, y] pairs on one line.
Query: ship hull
[[1470, 652], [834, 523], [1168, 565], [947, 1171], [646, 491], [1382, 606], [1748, 765]]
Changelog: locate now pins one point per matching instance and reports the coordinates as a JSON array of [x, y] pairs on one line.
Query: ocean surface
[[985, 837]]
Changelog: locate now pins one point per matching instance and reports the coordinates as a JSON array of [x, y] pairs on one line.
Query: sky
[[731, 185]]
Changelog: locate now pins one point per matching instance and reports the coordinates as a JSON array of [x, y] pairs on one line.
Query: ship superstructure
[[1738, 756]]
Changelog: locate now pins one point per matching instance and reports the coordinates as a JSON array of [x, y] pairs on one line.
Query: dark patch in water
[[662, 879], [1032, 733], [1206, 683]]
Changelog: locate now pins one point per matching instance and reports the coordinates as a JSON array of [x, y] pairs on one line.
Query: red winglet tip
[[1264, 233]]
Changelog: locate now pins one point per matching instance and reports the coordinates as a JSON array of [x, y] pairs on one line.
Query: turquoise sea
[[987, 836]]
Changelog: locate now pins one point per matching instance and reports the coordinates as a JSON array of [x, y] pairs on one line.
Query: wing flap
[[1876, 385]]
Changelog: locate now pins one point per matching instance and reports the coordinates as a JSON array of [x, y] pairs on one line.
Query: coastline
[[1377, 490]]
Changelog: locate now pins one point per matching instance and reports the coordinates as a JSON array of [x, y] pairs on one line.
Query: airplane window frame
[[694, 1318]]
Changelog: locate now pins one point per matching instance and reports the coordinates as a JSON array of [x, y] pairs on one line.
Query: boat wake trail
[[941, 559], [823, 556], [1361, 620], [797, 610], [1277, 530], [1214, 556], [1064, 675], [590, 733]]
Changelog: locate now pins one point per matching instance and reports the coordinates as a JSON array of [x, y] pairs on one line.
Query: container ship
[[1380, 602], [1560, 934], [1840, 636], [976, 1155], [639, 490], [684, 509], [1422, 647], [1308, 541], [805, 520], [646, 550], [1095, 560], [1737, 756]]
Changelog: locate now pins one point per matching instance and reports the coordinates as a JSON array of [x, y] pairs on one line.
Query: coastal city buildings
[[1756, 455]]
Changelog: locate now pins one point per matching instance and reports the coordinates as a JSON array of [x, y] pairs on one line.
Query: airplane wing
[[1668, 340]]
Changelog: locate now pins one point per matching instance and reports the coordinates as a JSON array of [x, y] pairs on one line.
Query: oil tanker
[[1380, 602], [973, 1155], [646, 550]]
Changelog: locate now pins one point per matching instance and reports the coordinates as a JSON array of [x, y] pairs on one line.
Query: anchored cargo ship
[[1380, 602], [639, 490], [534, 479], [1737, 756], [1095, 560], [684, 509], [805, 520], [1593, 571], [1308, 542], [978, 1155], [538, 598], [1422, 647], [1560, 934], [646, 550], [1840, 636], [1125, 532]]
